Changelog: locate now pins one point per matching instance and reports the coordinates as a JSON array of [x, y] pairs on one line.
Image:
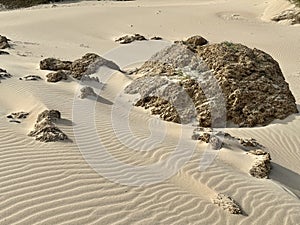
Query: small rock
[[251, 142], [4, 74], [57, 76], [31, 78], [15, 121], [18, 115], [195, 41], [55, 64], [3, 53], [156, 38], [52, 115], [228, 204], [87, 91], [261, 167], [4, 42], [130, 38]]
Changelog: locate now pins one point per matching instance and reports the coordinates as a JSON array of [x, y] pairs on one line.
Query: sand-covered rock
[[130, 38], [31, 78], [228, 204], [89, 64], [45, 130], [57, 76], [4, 52], [244, 86], [4, 42], [290, 15], [18, 115]]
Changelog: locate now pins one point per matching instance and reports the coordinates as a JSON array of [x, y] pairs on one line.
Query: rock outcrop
[[55, 64], [241, 85], [4, 42], [57, 76], [131, 38], [45, 129], [227, 204], [291, 15]]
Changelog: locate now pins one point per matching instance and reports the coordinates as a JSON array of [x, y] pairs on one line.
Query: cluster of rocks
[[4, 74], [45, 129], [261, 167], [17, 117], [136, 37], [241, 85], [4, 42], [208, 136], [227, 204], [31, 78], [85, 66], [290, 15]]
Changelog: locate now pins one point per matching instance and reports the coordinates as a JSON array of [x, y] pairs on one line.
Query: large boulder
[[55, 64], [4, 42], [247, 84]]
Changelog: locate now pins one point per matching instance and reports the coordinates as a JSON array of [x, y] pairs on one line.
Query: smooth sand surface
[[54, 183]]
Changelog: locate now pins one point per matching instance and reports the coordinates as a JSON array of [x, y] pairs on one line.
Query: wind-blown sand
[[52, 183]]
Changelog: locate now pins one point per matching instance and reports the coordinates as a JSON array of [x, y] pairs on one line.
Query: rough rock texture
[[228, 204], [215, 139], [86, 92], [195, 41], [156, 38], [4, 42], [251, 142], [291, 15], [57, 76], [236, 83], [262, 165], [55, 64], [4, 74], [130, 38], [89, 64], [45, 129]]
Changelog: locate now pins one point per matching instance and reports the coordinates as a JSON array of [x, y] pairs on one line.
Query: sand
[[123, 165]]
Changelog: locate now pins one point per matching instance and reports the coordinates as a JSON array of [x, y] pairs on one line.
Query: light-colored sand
[[53, 184]]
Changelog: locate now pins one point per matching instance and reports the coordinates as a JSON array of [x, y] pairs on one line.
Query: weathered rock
[[89, 64], [86, 92], [45, 130], [195, 41], [262, 165], [290, 15], [55, 64], [227, 204], [4, 42], [130, 38], [246, 84], [251, 142], [57, 76], [31, 78], [52, 115]]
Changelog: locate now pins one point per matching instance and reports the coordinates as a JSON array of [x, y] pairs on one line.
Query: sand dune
[[119, 167]]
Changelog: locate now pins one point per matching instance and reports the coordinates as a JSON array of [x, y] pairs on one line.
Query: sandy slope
[[53, 183]]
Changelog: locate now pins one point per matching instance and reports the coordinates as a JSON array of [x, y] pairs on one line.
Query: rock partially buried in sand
[[130, 38], [57, 76], [4, 74], [228, 204], [45, 130], [89, 64], [251, 84], [3, 53], [18, 115], [55, 64], [195, 41], [31, 78], [86, 92], [4, 42], [291, 15]]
